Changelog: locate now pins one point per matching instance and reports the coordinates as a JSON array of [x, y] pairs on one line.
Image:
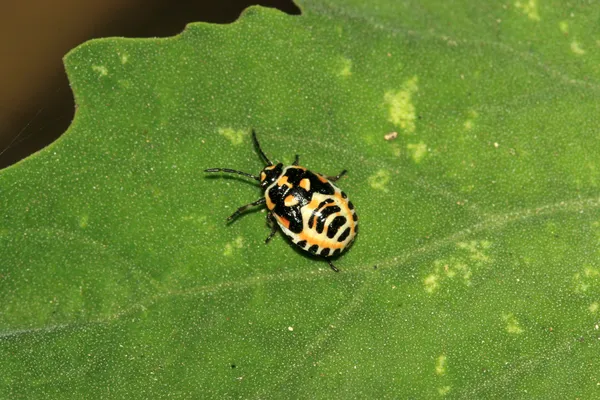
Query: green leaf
[[475, 274]]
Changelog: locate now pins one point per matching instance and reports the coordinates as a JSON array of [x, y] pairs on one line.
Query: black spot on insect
[[335, 225], [355, 217], [313, 249], [336, 252], [311, 220], [344, 195], [350, 205], [344, 235], [324, 214], [325, 252], [301, 243]]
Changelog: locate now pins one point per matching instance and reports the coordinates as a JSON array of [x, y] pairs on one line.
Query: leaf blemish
[[401, 110], [100, 69], [380, 180], [83, 221], [564, 27], [346, 70], [470, 121], [238, 243], [431, 283], [576, 48], [584, 280], [417, 151], [512, 324], [236, 137], [124, 58], [440, 365], [460, 265], [529, 8]]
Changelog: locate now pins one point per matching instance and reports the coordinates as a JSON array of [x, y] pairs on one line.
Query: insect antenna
[[262, 153], [232, 171]]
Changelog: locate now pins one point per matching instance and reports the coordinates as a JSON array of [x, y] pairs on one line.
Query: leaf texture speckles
[[476, 271]]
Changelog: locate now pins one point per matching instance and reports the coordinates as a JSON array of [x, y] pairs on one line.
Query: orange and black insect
[[308, 208]]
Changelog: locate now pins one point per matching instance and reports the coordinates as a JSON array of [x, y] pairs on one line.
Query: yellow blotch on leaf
[[444, 390], [512, 324], [401, 110], [586, 279], [576, 48], [431, 283], [346, 67], [470, 121], [380, 180], [417, 151], [100, 69], [440, 365], [238, 243], [529, 8], [563, 26], [236, 137]]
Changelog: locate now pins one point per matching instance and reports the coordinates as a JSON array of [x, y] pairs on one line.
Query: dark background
[[36, 103]]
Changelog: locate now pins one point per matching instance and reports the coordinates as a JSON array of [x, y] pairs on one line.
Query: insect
[[308, 208]]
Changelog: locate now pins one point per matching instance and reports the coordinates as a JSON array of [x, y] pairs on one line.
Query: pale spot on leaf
[[238, 243], [529, 8], [100, 69], [380, 180], [470, 121], [417, 151], [346, 67], [431, 283], [236, 137], [593, 308], [459, 267], [512, 324], [440, 365], [444, 390], [564, 27], [586, 279], [401, 110], [576, 48]]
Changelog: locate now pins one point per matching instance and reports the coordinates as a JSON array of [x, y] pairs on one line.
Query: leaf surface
[[470, 135]]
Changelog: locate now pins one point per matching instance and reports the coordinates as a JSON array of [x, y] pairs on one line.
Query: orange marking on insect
[[290, 200], [284, 221], [263, 176], [305, 184], [270, 204], [283, 181]]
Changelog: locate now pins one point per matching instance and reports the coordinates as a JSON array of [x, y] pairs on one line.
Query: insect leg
[[273, 226], [338, 176], [333, 267], [296, 160], [244, 208]]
